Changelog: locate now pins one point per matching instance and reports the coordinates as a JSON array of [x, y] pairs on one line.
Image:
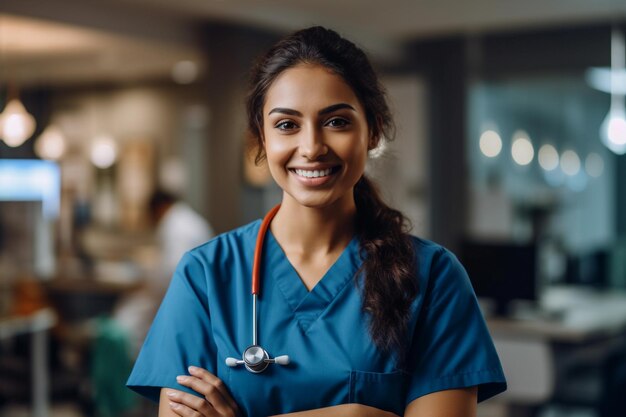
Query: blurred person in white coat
[[178, 228]]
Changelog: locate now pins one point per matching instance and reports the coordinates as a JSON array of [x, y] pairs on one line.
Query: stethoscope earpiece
[[255, 358]]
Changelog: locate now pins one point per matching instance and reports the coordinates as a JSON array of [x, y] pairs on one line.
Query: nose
[[312, 144]]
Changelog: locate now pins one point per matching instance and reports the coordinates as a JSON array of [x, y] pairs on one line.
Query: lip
[[318, 181], [318, 167]]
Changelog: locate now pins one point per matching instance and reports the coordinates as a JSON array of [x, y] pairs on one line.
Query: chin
[[316, 201]]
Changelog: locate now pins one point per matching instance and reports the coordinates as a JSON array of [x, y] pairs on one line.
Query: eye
[[285, 125], [337, 122]]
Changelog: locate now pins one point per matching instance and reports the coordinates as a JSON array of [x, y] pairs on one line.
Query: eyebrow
[[325, 110]]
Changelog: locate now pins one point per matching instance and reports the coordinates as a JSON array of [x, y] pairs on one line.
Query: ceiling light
[[570, 163], [16, 124], [103, 151], [548, 157], [594, 165], [490, 143], [606, 80], [613, 128], [522, 149], [50, 144]]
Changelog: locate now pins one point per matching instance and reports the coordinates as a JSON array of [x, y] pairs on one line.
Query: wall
[[402, 171], [231, 51]]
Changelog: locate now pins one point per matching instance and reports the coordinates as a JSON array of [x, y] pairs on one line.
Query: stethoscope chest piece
[[256, 359]]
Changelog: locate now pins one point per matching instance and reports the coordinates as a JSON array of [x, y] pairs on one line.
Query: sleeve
[[451, 346], [180, 334]]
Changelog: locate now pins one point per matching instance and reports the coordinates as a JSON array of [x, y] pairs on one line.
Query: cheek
[[277, 152], [354, 154], [358, 168]]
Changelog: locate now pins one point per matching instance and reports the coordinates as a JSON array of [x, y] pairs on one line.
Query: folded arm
[[448, 403], [343, 410], [217, 402]]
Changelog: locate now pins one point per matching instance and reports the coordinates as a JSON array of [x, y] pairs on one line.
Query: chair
[[529, 369]]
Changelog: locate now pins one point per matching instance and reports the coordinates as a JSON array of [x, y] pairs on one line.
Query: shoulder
[[433, 255], [439, 268]]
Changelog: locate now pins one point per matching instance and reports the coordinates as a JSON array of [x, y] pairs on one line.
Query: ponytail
[[389, 285]]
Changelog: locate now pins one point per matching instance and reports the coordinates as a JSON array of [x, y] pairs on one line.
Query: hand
[[217, 401]]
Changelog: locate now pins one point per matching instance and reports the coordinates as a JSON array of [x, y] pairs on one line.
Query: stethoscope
[[255, 358]]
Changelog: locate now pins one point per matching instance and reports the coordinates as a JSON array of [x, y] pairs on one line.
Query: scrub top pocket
[[386, 391]]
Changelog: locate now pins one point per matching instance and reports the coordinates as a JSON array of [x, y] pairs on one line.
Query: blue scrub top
[[206, 315]]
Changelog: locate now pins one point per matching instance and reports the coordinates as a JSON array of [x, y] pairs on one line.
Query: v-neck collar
[[308, 305]]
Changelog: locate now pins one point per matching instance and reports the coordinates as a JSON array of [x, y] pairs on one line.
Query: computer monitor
[[588, 269], [32, 180], [501, 271]]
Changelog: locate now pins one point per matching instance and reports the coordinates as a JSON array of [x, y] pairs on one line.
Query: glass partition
[[539, 173]]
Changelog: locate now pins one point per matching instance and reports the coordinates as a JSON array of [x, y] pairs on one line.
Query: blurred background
[[509, 151]]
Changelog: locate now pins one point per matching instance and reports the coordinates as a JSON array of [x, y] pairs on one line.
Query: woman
[[375, 322]]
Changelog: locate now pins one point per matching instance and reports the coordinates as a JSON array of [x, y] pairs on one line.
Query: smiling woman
[[315, 136], [376, 322]]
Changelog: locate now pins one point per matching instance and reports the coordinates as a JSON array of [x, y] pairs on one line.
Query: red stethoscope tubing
[[255, 358], [258, 249]]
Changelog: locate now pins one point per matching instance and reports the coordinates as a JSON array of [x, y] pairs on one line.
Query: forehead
[[306, 87]]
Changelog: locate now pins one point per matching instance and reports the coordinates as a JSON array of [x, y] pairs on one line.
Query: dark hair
[[160, 198], [390, 284]]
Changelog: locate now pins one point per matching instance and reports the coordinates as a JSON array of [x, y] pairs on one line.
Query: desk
[[575, 327], [37, 325], [77, 300], [568, 315]]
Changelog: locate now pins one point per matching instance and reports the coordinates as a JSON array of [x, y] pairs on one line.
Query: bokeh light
[[594, 165], [522, 149], [548, 157], [570, 162], [490, 143], [103, 151]]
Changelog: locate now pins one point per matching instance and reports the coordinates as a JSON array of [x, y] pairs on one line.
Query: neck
[[308, 229]]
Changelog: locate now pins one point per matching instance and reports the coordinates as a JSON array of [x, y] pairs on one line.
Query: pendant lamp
[[613, 128], [16, 124]]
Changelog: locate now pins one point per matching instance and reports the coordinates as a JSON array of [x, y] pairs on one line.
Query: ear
[[373, 142], [374, 139]]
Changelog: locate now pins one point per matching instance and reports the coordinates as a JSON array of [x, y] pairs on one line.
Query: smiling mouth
[[314, 173]]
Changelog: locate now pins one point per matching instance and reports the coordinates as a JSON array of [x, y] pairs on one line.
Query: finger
[[176, 408], [217, 383], [192, 401], [183, 411], [210, 392]]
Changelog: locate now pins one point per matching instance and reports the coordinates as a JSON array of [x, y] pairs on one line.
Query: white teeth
[[314, 173]]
